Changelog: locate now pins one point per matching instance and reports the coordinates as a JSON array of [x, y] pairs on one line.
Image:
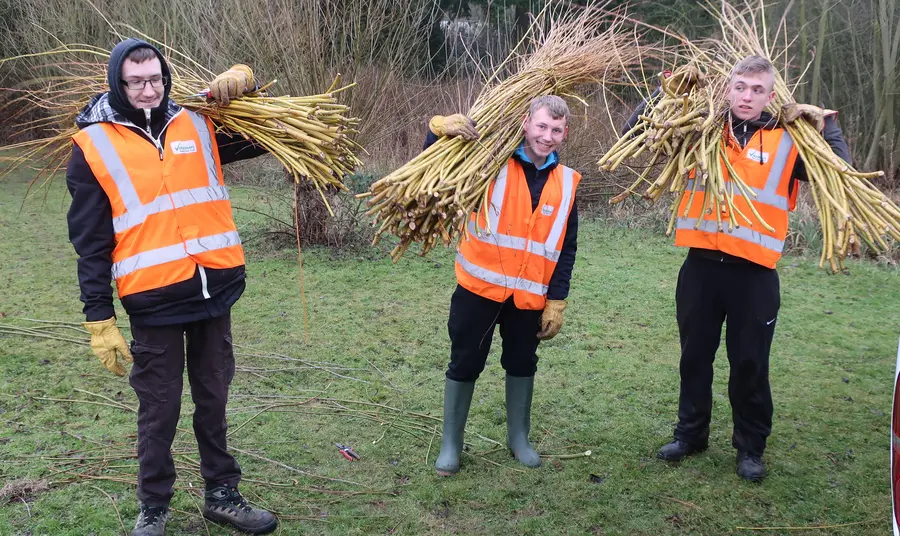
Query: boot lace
[[150, 515]]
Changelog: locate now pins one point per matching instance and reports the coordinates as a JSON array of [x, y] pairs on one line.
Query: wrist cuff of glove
[[100, 325], [436, 124]]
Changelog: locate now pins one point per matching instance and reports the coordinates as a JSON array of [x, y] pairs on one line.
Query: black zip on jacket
[[558, 289], [210, 292]]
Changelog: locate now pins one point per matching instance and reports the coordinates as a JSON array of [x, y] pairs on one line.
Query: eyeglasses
[[157, 81]]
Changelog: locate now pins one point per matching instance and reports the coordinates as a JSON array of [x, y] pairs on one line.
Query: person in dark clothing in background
[[729, 274], [150, 209], [513, 269]]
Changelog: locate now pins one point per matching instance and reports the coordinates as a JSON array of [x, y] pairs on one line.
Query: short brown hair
[[753, 65], [140, 55], [556, 106]]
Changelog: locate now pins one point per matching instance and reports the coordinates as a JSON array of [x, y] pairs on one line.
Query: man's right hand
[[231, 84], [453, 125], [108, 344]]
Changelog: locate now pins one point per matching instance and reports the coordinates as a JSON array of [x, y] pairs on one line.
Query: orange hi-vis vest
[[508, 249], [171, 211], [767, 169]]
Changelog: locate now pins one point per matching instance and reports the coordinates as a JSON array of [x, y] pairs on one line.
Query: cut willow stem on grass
[[850, 208], [585, 454], [115, 507], [812, 527], [428, 200]]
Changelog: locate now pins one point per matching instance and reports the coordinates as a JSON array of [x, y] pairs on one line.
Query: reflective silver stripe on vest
[[562, 215], [497, 200], [546, 249], [781, 157], [135, 212], [769, 194], [488, 276], [206, 142], [744, 233], [175, 252], [183, 198], [114, 166], [512, 242]]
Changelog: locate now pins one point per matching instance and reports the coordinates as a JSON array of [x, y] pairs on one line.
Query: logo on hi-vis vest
[[184, 147], [546, 210], [757, 156]]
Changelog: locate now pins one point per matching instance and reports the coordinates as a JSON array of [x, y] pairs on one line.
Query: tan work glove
[[551, 319], [453, 125], [231, 84], [792, 111], [108, 344], [685, 79]]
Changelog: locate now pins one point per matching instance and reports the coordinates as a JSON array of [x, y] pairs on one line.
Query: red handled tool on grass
[[348, 452]]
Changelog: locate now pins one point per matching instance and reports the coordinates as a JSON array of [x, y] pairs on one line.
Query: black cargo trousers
[[746, 296], [157, 378]]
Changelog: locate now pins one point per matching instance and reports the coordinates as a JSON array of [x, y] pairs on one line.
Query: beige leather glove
[[453, 125], [792, 111], [551, 319], [231, 84], [685, 79], [108, 344]]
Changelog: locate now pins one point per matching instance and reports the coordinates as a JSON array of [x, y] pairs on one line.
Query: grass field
[[371, 376]]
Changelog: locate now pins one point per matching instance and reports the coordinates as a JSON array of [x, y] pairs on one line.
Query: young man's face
[[543, 134], [149, 72], [749, 94]]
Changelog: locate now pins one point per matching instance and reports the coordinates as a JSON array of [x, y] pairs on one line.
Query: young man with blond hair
[[514, 274], [729, 274]]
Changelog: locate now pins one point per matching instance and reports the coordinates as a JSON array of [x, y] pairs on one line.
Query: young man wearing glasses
[[150, 209]]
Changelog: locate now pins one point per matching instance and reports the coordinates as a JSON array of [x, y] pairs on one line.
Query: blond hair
[[556, 107], [753, 65]]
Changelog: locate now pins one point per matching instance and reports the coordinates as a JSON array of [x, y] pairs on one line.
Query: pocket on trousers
[[148, 378]]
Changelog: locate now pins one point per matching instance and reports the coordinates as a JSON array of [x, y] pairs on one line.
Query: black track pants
[[746, 297], [471, 327]]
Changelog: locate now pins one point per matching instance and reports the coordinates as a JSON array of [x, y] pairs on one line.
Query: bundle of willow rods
[[428, 200], [309, 135], [849, 206], [684, 133]]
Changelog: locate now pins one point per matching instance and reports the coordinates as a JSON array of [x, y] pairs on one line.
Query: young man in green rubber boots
[[515, 273]]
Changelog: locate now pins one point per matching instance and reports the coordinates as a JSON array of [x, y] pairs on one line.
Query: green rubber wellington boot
[[457, 399], [518, 419]]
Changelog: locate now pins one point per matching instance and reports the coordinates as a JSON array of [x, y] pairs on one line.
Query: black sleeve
[[234, 147], [91, 233], [430, 138], [633, 120], [835, 139], [559, 281]]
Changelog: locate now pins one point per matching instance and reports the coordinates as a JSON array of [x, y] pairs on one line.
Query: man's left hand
[[551, 319], [231, 84], [792, 111]]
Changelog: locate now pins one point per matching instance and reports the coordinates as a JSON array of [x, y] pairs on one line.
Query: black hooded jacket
[[90, 215]]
